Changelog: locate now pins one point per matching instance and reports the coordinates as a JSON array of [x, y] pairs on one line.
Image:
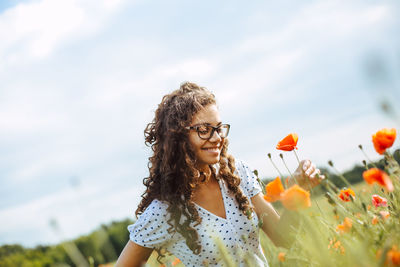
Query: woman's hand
[[306, 175]]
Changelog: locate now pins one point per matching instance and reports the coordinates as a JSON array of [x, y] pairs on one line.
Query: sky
[[80, 80]]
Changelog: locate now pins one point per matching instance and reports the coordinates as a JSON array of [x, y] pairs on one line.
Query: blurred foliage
[[99, 247]]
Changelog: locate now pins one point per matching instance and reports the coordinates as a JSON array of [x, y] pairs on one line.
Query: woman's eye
[[203, 129]]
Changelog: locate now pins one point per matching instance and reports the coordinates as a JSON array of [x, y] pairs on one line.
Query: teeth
[[212, 149]]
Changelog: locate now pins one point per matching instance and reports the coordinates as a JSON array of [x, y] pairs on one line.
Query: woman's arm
[[270, 219], [279, 228], [133, 255]]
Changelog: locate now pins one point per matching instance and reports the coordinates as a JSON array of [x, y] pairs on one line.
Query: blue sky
[[81, 79]]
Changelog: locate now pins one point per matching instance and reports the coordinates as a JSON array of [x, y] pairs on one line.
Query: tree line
[[101, 246]]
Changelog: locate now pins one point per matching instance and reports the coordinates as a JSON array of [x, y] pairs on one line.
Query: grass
[[336, 232]]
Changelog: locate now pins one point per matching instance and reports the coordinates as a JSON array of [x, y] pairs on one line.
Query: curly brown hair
[[172, 172]]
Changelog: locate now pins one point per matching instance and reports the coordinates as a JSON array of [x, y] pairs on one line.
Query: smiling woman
[[198, 196]]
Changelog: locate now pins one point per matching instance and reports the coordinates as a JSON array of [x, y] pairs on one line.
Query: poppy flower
[[374, 220], [295, 198], [288, 143], [336, 245], [375, 175], [384, 214], [347, 194], [383, 139], [273, 190], [281, 256], [393, 257], [379, 201], [176, 262], [345, 226]]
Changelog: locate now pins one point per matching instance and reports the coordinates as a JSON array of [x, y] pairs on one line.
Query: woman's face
[[207, 151]]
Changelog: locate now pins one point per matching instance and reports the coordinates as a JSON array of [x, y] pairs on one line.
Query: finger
[[310, 169], [315, 174], [314, 177], [306, 164]]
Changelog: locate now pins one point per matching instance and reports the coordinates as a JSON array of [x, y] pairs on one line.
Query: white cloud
[[35, 29]]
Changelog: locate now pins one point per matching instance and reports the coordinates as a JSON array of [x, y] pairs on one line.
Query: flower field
[[358, 225], [353, 226]]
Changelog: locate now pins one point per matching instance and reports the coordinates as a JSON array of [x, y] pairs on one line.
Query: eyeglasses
[[206, 131]]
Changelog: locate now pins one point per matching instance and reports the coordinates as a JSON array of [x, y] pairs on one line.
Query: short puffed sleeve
[[151, 228], [249, 182]]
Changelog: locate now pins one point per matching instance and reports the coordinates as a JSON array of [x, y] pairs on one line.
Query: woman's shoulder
[[155, 213], [151, 227], [249, 181], [242, 166], [156, 208]]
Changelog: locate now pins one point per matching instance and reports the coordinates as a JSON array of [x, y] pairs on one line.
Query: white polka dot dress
[[236, 234]]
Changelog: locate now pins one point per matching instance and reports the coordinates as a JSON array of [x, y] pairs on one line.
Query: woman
[[199, 201]]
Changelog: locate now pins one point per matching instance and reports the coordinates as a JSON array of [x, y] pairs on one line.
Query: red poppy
[[347, 194], [295, 198], [288, 143], [273, 190], [383, 139], [375, 175], [379, 201]]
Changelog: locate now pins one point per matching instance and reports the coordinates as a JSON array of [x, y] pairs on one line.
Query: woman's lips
[[211, 149]]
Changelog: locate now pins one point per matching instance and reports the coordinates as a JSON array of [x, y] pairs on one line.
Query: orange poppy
[[336, 245], [393, 257], [379, 201], [281, 256], [383, 139], [273, 190], [347, 194], [176, 261], [384, 214], [288, 143], [375, 175], [295, 198], [345, 226], [374, 220]]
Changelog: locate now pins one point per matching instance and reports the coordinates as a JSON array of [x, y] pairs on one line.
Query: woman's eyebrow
[[207, 123]]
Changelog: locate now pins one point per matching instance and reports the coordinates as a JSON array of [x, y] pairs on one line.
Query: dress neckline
[[222, 189]]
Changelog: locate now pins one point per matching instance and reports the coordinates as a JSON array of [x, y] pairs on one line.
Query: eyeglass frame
[[214, 128]]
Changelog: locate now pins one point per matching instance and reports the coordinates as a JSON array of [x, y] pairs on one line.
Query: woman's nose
[[215, 137]]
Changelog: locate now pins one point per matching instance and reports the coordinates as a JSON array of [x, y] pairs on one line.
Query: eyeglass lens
[[206, 131]]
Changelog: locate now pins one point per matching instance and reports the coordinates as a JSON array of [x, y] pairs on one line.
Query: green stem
[[287, 168], [276, 168], [294, 150], [341, 176], [366, 156]]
